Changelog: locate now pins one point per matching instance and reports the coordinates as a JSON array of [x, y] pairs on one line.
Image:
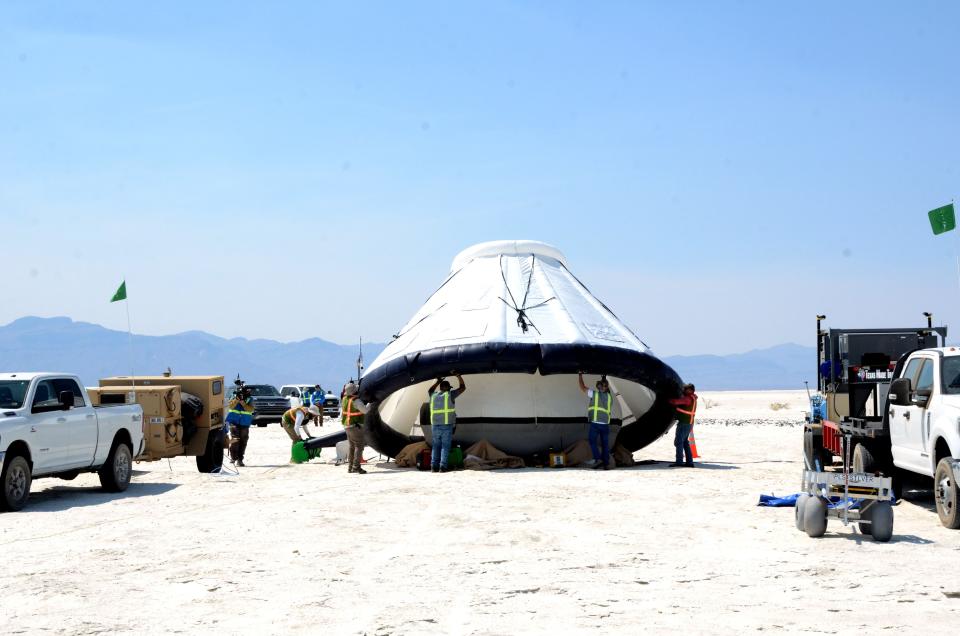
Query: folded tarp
[[789, 501], [407, 457], [772, 501], [485, 456]]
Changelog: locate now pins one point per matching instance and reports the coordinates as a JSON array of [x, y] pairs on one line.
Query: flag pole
[[126, 305]]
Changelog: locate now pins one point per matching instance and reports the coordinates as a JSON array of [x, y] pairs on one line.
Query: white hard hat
[[350, 388], [313, 410]]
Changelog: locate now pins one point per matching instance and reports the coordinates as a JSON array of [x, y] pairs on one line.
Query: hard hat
[[350, 388], [313, 410]]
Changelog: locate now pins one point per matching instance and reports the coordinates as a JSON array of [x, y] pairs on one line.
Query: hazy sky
[[717, 173]]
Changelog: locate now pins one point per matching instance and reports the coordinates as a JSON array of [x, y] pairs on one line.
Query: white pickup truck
[[923, 420], [48, 428]]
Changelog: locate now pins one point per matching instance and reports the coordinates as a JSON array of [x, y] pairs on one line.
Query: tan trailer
[[166, 430]]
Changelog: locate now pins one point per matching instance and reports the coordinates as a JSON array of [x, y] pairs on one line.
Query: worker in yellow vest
[[599, 412], [443, 421], [686, 410], [295, 420], [352, 414]]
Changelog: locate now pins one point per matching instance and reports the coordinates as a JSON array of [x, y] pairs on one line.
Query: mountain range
[[92, 352]]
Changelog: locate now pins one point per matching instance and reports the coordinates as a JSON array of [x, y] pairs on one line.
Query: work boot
[[444, 469], [360, 471], [351, 470], [599, 465], [240, 463], [434, 469]]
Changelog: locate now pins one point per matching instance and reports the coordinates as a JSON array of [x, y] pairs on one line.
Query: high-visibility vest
[[348, 416], [237, 415], [597, 412], [443, 411], [291, 415], [306, 397], [685, 416]]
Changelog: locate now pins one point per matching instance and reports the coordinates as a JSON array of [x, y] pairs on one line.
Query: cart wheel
[[866, 514], [882, 517], [815, 516], [798, 511]]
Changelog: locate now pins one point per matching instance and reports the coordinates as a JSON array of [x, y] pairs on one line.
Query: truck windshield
[[263, 390], [951, 374], [12, 393]]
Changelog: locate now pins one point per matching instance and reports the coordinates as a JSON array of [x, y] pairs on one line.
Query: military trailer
[[182, 415]]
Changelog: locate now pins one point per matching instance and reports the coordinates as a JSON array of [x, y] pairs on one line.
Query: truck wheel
[[16, 479], [212, 458], [115, 473], [863, 461], [947, 494], [882, 517], [798, 511], [815, 517]]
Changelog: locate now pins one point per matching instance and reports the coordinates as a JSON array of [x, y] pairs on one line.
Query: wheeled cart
[[866, 500]]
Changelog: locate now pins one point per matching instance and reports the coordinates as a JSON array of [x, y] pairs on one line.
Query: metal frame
[[865, 487]]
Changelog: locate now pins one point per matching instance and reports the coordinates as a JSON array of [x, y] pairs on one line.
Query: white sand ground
[[285, 548]]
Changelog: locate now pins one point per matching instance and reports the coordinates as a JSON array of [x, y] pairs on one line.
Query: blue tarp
[[789, 501]]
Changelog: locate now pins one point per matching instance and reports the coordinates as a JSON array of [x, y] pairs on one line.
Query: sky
[[717, 173]]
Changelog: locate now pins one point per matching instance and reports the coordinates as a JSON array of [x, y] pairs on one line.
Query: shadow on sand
[[60, 498]]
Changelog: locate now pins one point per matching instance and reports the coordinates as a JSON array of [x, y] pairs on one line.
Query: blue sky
[[718, 173]]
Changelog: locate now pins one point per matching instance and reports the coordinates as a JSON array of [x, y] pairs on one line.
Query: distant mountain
[[93, 352], [784, 366]]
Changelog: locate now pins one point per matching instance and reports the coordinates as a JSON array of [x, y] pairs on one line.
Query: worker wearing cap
[[443, 420], [352, 416], [686, 409], [295, 420], [599, 412]]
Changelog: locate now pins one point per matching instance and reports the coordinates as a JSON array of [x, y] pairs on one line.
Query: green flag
[[121, 293], [943, 219]]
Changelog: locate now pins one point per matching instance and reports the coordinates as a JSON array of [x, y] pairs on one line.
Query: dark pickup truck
[[268, 405]]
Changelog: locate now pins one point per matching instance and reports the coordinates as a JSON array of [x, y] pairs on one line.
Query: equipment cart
[[867, 500]]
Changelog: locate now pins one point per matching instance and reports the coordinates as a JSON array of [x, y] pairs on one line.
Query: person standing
[[686, 410], [599, 411], [352, 416], [443, 420], [239, 417], [295, 420]]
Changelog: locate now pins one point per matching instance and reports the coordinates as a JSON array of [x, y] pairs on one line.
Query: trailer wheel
[[798, 511], [815, 517], [947, 495], [863, 461], [882, 518], [808, 455]]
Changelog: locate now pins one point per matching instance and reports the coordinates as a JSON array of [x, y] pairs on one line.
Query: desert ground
[[283, 548]]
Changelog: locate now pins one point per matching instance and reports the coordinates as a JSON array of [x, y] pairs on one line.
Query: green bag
[[299, 454], [455, 458]]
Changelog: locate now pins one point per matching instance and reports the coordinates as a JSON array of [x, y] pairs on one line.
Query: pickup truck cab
[[923, 418], [48, 428], [294, 393], [268, 405]]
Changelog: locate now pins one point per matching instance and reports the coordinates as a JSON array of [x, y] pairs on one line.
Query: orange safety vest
[[684, 416], [348, 416], [291, 415]]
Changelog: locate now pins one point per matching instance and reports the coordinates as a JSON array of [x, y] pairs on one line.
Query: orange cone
[[693, 445]]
